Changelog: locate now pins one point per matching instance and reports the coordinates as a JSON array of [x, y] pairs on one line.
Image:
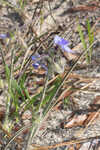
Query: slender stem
[[8, 104], [35, 128]]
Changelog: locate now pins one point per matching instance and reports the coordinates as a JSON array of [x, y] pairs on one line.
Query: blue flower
[[63, 44], [35, 57], [36, 65], [37, 62], [4, 35]]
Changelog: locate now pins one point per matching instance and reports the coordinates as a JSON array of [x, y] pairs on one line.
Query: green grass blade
[[82, 36], [51, 93], [7, 70], [91, 38], [17, 89], [83, 42], [22, 3]]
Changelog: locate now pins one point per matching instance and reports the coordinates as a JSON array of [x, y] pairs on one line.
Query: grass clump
[[90, 39]]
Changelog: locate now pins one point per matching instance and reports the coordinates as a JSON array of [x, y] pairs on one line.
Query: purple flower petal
[[44, 67], [67, 49], [3, 36], [60, 41], [63, 44], [36, 65], [37, 62], [35, 57]]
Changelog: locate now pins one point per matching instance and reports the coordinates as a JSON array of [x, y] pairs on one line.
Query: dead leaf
[[83, 119], [92, 6]]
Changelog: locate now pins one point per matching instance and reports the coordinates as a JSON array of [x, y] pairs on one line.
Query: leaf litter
[[82, 87]]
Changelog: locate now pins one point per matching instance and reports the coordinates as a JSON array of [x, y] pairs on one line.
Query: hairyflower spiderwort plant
[[37, 59], [63, 44]]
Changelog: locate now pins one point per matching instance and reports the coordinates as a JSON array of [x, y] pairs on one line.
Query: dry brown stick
[[71, 142]]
